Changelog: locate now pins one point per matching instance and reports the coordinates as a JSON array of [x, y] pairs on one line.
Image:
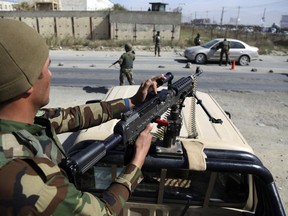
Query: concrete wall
[[99, 25], [144, 25]]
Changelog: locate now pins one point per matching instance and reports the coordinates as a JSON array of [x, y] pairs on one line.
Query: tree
[[24, 6], [118, 7]]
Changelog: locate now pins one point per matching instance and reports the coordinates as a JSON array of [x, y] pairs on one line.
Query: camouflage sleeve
[[119, 191], [84, 116], [37, 186]]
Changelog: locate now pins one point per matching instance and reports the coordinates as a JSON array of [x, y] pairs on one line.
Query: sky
[[248, 12]]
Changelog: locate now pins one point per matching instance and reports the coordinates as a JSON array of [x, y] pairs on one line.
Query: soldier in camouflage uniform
[[126, 65], [157, 45], [224, 46], [31, 182], [197, 40]]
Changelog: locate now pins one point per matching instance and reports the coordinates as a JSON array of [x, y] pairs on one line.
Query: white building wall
[[6, 6], [86, 5], [79, 5], [99, 4]]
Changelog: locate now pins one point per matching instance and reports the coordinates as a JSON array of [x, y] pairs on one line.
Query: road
[[88, 68]]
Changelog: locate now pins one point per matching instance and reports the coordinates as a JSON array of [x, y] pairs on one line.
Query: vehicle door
[[214, 53], [236, 50]]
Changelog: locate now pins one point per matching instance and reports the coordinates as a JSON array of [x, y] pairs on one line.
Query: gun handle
[[168, 78], [129, 153]]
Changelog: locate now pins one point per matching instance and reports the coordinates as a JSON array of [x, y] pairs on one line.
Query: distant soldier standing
[[197, 40], [157, 40], [126, 65], [224, 46]]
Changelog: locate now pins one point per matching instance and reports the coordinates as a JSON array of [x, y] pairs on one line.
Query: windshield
[[210, 43]]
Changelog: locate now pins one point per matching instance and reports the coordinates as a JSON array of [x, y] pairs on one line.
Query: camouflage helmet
[[23, 53], [128, 47]]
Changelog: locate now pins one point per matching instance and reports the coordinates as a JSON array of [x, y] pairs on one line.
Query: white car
[[239, 51]]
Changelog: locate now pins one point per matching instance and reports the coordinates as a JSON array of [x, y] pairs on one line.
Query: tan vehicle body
[[222, 136]]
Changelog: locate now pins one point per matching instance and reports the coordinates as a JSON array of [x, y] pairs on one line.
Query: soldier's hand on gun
[[144, 89], [142, 146]]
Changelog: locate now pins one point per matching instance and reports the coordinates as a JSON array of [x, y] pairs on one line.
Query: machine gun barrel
[[80, 160]]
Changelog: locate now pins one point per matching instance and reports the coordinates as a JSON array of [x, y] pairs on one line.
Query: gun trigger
[[161, 122]]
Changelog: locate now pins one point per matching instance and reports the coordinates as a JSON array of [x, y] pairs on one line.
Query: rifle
[[133, 122], [114, 63]]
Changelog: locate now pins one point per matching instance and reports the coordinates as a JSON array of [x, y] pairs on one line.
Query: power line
[[243, 7], [266, 4]]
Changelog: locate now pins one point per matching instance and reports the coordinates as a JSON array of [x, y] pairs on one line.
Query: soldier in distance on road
[[126, 65], [157, 43], [224, 46]]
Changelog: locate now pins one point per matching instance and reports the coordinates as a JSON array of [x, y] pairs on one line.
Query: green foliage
[[118, 7], [23, 6], [68, 41]]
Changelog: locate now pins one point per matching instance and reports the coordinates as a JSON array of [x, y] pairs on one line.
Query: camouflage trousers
[[128, 73], [157, 49]]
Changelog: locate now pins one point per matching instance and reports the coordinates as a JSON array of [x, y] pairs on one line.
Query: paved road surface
[[86, 68]]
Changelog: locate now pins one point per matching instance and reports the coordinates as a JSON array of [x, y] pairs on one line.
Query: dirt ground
[[262, 118]]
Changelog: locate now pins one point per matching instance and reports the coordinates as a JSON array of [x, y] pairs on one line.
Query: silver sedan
[[239, 51]]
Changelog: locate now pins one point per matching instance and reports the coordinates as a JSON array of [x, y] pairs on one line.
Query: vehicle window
[[180, 185], [236, 45], [210, 43]]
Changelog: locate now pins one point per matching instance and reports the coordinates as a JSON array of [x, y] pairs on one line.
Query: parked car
[[241, 52]]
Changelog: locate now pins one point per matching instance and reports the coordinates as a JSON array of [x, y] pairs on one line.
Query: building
[[70, 5], [6, 6], [47, 5], [200, 21], [158, 6], [86, 5], [284, 21]]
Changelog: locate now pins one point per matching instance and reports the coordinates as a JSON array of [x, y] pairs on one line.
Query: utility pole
[[263, 17], [221, 21], [237, 17]]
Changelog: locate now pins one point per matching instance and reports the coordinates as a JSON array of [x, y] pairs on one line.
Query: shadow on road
[[90, 89], [183, 61]]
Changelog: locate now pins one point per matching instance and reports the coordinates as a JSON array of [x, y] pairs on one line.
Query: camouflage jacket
[[225, 46], [126, 60], [31, 182], [157, 39]]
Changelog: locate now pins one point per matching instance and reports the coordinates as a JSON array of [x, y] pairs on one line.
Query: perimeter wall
[[101, 25]]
